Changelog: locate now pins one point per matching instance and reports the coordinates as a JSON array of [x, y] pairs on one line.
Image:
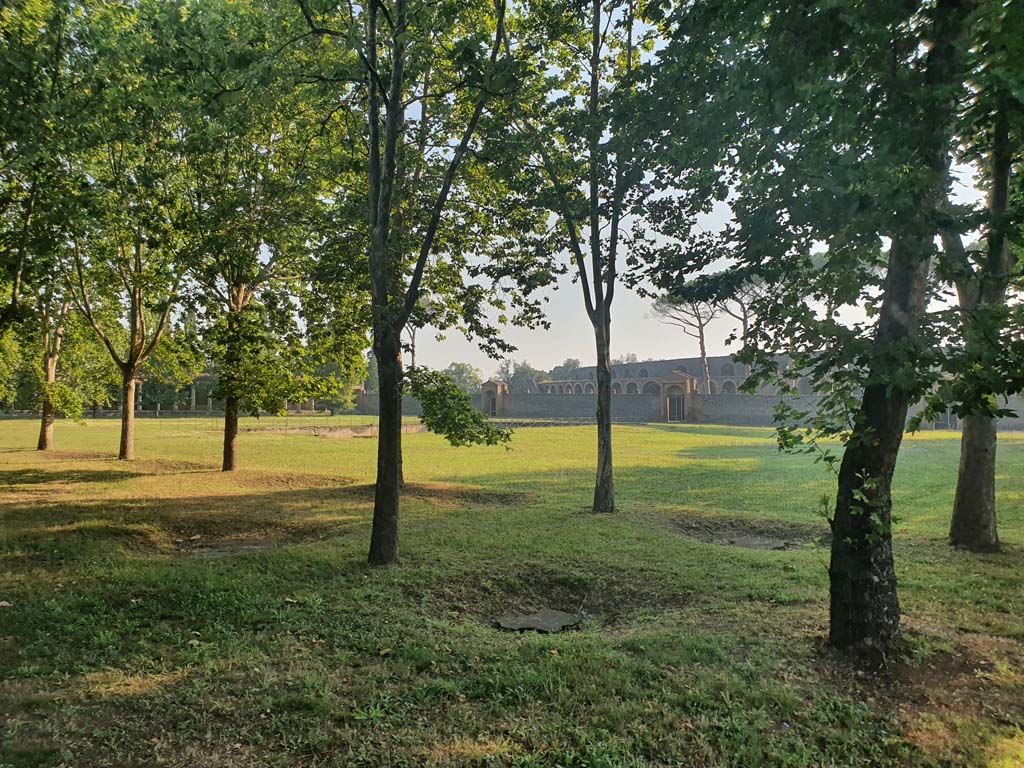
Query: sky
[[634, 329]]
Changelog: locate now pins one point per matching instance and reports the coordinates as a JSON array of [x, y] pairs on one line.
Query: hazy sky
[[633, 328]]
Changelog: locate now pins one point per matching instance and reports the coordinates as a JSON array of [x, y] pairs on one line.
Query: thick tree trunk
[[127, 448], [974, 511], [384, 537], [45, 442], [230, 434], [865, 611], [604, 487]]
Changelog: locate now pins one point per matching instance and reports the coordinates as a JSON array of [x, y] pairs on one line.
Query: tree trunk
[[865, 611], [604, 487], [127, 449], [974, 511], [45, 442], [230, 434], [384, 537], [704, 360]]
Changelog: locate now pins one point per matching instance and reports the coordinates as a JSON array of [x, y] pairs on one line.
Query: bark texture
[[974, 511], [604, 487], [230, 434], [864, 606], [386, 499], [45, 442], [126, 452]]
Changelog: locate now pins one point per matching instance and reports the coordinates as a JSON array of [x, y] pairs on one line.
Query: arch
[[568, 389], [549, 390], [589, 389], [631, 388], [561, 389], [712, 387], [728, 369], [616, 388], [728, 388], [643, 374], [674, 389], [578, 389], [652, 388]]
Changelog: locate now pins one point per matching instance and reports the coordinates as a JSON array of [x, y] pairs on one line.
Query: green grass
[[162, 612]]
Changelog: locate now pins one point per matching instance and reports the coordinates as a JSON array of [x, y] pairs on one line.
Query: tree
[[423, 77], [258, 163], [73, 370], [561, 372], [693, 317], [464, 376], [34, 80], [629, 358], [125, 256], [843, 121], [575, 125], [517, 375], [992, 129]]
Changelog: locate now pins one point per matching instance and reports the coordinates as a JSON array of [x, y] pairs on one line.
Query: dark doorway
[[676, 408]]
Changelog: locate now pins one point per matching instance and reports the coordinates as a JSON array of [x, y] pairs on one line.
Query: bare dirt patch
[[751, 534], [609, 598]]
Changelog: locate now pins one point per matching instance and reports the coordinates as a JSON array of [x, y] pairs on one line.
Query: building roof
[[660, 369]]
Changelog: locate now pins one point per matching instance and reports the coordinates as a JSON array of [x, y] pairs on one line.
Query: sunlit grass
[[161, 610]]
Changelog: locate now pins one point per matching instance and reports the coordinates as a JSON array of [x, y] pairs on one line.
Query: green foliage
[[561, 372], [518, 375], [449, 411], [465, 376], [86, 375], [10, 364]]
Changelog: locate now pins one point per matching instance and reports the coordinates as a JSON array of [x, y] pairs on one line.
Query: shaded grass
[[163, 611]]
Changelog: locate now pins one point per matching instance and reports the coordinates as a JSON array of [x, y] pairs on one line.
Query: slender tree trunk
[[974, 511], [704, 360], [384, 536], [230, 434], [127, 448], [45, 442], [865, 611], [604, 487]]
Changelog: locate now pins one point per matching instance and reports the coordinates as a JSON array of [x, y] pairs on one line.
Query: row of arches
[[630, 388], [725, 370]]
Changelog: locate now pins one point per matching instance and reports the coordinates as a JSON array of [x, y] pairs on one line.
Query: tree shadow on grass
[[35, 476]]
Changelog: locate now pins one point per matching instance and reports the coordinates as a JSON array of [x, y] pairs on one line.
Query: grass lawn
[[163, 613]]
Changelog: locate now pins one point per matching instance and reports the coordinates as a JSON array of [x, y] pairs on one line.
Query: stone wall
[[639, 408], [370, 404], [741, 410]]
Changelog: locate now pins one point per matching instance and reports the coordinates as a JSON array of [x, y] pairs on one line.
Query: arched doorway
[[651, 388], [631, 388], [616, 388], [728, 388]]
